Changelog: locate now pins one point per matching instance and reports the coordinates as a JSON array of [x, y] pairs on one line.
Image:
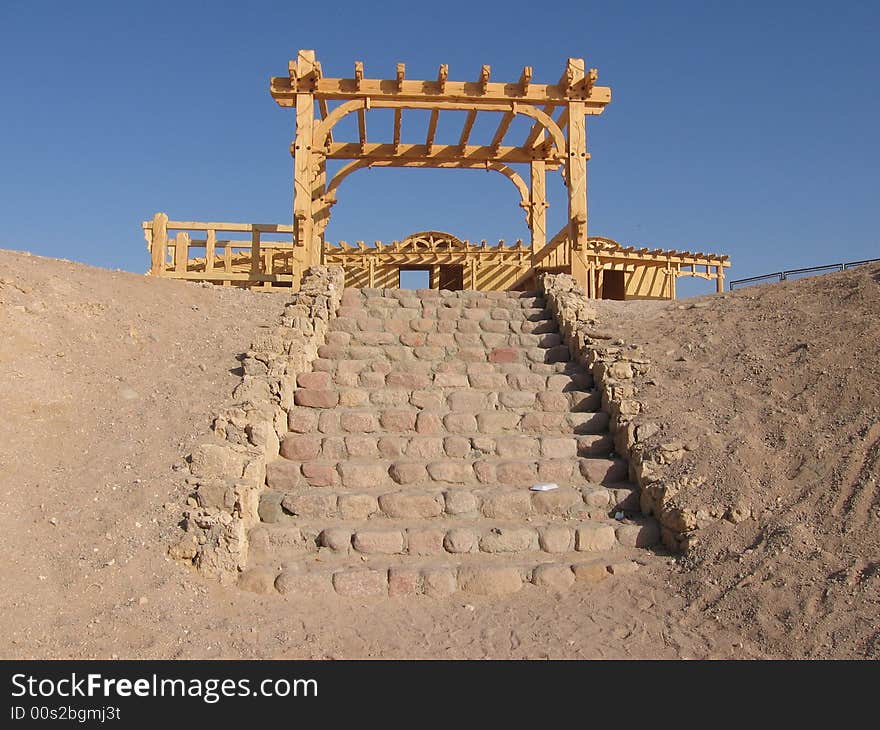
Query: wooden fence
[[204, 251]]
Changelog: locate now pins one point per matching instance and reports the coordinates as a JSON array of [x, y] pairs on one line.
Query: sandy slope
[[107, 379]]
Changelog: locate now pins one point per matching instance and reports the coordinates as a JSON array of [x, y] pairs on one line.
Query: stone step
[[373, 322], [341, 421], [288, 474], [410, 300], [400, 576], [358, 373], [489, 340], [439, 293], [405, 353], [310, 445], [589, 501], [333, 540], [456, 400], [333, 366]]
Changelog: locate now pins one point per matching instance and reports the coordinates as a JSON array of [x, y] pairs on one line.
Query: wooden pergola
[[557, 138], [267, 255]]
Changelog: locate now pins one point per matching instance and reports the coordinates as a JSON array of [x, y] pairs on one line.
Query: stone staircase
[[413, 445]]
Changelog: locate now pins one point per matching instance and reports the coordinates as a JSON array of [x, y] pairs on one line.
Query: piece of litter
[[618, 515], [543, 487]]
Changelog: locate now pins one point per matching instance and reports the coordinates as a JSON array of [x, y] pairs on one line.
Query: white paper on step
[[547, 487]]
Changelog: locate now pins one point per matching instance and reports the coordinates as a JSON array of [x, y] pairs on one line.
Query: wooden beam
[[358, 74], [442, 75], [432, 130], [466, 130], [525, 79], [401, 75], [398, 113], [337, 89], [503, 126], [382, 151], [362, 127], [324, 109], [485, 74]]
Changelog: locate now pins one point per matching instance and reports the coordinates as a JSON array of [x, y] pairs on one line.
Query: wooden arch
[[330, 198]]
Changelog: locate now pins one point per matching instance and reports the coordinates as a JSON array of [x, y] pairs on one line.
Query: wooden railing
[[556, 255], [202, 251]]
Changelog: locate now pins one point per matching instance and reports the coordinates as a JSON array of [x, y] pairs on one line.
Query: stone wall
[[229, 471], [618, 371]]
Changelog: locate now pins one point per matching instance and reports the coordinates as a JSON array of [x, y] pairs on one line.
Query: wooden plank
[[538, 206], [362, 127], [466, 130], [432, 130], [303, 163], [398, 114], [383, 151], [501, 131], [336, 89], [181, 251], [158, 244], [210, 249], [229, 227]]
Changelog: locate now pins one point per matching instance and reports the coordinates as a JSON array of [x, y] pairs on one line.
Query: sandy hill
[[107, 380]]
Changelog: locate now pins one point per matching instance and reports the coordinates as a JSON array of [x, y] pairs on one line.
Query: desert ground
[[108, 379]]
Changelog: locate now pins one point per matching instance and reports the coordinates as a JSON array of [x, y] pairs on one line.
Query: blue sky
[[743, 127]]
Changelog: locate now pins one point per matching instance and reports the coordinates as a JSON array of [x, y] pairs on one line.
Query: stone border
[[617, 370], [229, 472]]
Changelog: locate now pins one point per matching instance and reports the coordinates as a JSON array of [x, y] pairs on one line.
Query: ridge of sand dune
[[107, 379]]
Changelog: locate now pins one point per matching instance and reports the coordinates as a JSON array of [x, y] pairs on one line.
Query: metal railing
[[797, 273]]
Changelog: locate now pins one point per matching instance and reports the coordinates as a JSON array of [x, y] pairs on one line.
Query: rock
[[361, 583], [303, 583], [509, 540], [592, 572], [439, 582], [415, 505], [643, 535], [185, 549], [382, 542], [336, 538], [556, 577], [460, 540], [257, 580], [489, 581], [595, 537]]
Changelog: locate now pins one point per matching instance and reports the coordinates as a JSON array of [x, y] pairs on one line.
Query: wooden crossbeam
[[322, 107], [362, 127], [284, 90], [503, 126], [398, 114], [432, 130], [382, 151], [466, 130]]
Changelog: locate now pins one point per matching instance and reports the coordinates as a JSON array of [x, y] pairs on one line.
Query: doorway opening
[[613, 284]]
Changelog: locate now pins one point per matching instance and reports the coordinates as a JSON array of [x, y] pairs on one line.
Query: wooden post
[[158, 244], [255, 253], [318, 192], [303, 177], [719, 279], [181, 251], [538, 205], [576, 173], [210, 247]]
